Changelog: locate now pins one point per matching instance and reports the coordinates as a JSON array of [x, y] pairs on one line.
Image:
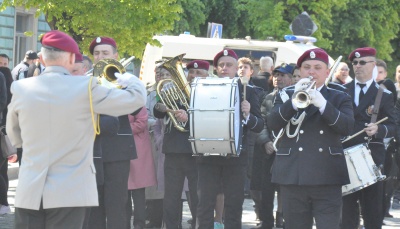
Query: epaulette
[[337, 87], [387, 91], [288, 88]]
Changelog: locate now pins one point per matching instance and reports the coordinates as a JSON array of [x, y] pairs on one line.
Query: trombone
[[332, 70]]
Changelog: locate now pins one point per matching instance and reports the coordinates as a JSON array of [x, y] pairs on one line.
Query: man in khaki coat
[[51, 117]]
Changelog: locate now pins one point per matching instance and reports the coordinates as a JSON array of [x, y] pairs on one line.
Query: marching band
[[198, 137]]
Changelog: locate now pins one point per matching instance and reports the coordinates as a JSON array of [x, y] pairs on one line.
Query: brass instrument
[[332, 70], [104, 70], [175, 91], [301, 98]]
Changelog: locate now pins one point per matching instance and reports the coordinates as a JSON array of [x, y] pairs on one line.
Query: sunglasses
[[362, 62]]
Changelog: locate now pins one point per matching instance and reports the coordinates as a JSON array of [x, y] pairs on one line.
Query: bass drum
[[214, 114], [362, 170]]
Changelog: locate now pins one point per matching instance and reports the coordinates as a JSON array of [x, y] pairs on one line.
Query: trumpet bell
[[301, 99], [105, 71]]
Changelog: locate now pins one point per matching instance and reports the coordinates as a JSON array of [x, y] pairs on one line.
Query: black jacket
[[120, 146], [174, 141], [315, 156], [386, 129]]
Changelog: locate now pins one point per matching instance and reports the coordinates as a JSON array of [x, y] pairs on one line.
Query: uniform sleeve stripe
[[335, 120], [281, 115]]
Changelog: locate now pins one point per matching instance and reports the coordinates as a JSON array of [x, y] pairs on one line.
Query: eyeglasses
[[362, 62]]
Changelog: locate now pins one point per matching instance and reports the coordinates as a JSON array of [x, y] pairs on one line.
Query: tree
[[367, 23], [271, 18], [191, 17], [343, 25], [131, 23], [225, 12]]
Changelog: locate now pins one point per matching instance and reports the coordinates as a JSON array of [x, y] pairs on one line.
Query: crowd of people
[[93, 156]]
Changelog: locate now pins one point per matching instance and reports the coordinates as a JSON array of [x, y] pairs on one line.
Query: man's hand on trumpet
[[302, 84], [371, 129], [317, 98]]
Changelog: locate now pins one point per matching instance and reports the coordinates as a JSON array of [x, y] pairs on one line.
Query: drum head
[[215, 126]]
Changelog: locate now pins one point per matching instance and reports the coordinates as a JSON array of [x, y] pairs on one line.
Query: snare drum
[[362, 170], [214, 114]]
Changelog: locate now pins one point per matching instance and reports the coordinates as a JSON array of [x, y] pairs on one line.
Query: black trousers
[[302, 204], [60, 218], [138, 197], [3, 180], [154, 211], [370, 199], [176, 168], [211, 176], [113, 197], [267, 195]]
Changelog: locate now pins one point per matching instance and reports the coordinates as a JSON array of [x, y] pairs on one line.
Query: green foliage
[[131, 23], [191, 17], [343, 25], [225, 12]]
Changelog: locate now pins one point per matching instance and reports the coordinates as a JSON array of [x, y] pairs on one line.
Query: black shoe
[[152, 225], [388, 215], [261, 226], [279, 222]]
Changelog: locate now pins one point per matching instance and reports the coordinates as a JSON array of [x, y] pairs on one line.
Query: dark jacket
[[120, 146], [108, 127], [315, 156], [174, 141], [386, 129], [261, 80], [3, 92]]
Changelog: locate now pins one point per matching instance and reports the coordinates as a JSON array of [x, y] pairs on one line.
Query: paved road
[[6, 221]]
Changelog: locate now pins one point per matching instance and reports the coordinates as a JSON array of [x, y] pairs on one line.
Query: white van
[[206, 48]]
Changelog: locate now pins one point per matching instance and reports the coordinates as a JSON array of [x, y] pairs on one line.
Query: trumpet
[[301, 98]]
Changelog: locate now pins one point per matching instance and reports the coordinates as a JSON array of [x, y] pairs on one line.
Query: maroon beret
[[361, 52], [59, 40], [198, 64], [225, 52], [102, 41], [78, 58], [313, 54]]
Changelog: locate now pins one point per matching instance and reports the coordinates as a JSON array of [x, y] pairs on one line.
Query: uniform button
[[301, 149], [320, 149], [321, 131], [301, 131]]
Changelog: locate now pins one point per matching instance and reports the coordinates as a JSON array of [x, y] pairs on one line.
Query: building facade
[[19, 32]]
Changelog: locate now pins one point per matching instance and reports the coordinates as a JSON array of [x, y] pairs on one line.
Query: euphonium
[[301, 98], [175, 91]]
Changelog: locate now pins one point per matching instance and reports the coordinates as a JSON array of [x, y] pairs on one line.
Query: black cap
[[31, 55]]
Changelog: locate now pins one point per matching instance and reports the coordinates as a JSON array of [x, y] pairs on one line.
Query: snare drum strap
[[377, 103]]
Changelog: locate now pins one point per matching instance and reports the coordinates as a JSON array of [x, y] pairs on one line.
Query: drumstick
[[360, 132], [245, 82]]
